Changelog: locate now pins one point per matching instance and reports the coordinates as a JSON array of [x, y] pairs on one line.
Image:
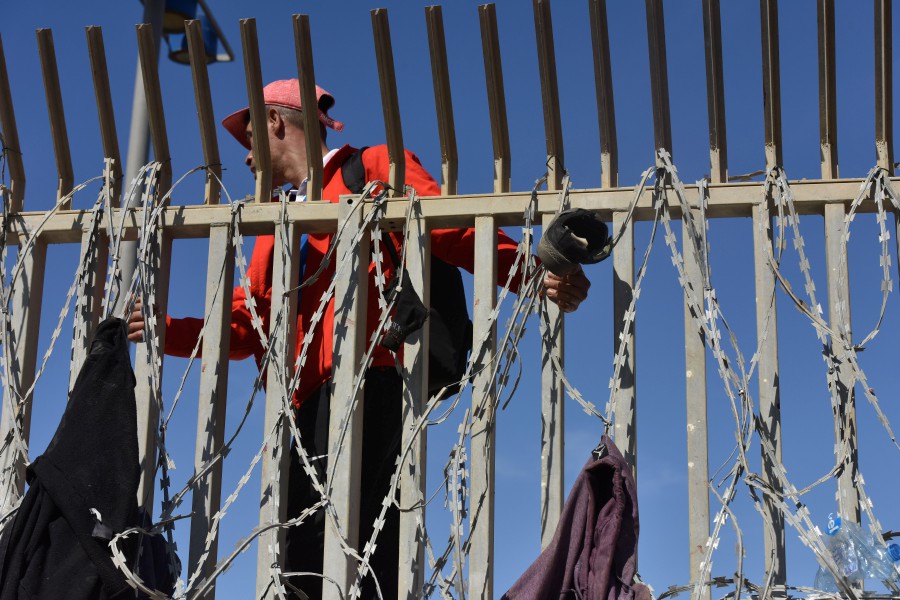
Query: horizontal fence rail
[[192, 221], [358, 226]]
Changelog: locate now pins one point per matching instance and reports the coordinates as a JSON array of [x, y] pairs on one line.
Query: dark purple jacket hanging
[[593, 553]]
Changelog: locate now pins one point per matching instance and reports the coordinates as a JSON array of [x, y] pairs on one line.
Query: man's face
[[287, 150], [278, 178], [249, 160]]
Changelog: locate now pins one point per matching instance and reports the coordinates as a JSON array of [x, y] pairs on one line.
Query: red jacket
[[455, 246]]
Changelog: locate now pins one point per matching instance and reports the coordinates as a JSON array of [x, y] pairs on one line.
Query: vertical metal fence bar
[[715, 91], [766, 321], [351, 300], [10, 144], [769, 390], [839, 319], [90, 298], [206, 498], [147, 50], [147, 399], [415, 394], [697, 425], [50, 73], [659, 78], [552, 326], [625, 399], [552, 323], [768, 10], [606, 112], [283, 341], [26, 319], [884, 86], [88, 315], [390, 103], [884, 95], [443, 102], [105, 112], [484, 335], [311, 123], [493, 73], [205, 116], [262, 157], [847, 499], [543, 27], [827, 89]]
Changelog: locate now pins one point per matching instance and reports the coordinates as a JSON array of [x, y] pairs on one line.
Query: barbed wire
[[448, 566]]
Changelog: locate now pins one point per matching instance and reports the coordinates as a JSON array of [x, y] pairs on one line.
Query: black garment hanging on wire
[[82, 491]]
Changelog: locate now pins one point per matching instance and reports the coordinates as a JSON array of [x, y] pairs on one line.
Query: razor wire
[[734, 371], [792, 508], [270, 440], [16, 402]]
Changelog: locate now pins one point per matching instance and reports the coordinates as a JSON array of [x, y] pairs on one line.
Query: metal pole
[[138, 144]]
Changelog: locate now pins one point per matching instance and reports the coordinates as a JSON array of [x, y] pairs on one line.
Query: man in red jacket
[[382, 406]]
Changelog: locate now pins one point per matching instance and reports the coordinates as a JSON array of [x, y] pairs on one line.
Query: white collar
[[300, 193]]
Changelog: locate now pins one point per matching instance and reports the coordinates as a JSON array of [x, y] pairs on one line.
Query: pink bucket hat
[[286, 93]]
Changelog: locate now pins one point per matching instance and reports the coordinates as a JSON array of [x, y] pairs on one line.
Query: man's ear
[[275, 122]]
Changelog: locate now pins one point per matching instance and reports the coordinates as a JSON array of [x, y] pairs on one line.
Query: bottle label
[[834, 524]]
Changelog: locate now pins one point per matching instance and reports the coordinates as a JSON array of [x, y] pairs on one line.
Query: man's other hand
[[136, 323], [567, 291]]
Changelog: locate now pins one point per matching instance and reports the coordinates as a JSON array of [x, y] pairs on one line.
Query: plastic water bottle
[[881, 560], [845, 548], [875, 560], [858, 555], [824, 581]]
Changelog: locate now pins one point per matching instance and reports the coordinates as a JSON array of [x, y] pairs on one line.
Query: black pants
[[382, 420]]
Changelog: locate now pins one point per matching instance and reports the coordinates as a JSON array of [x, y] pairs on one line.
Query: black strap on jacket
[[448, 318]]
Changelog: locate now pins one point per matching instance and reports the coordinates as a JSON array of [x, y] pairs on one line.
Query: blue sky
[[345, 65]]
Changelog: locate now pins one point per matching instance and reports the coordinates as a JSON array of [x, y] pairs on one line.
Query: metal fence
[[158, 223]]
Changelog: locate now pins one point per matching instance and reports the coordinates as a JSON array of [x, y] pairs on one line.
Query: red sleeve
[[182, 334], [457, 247], [454, 246]]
